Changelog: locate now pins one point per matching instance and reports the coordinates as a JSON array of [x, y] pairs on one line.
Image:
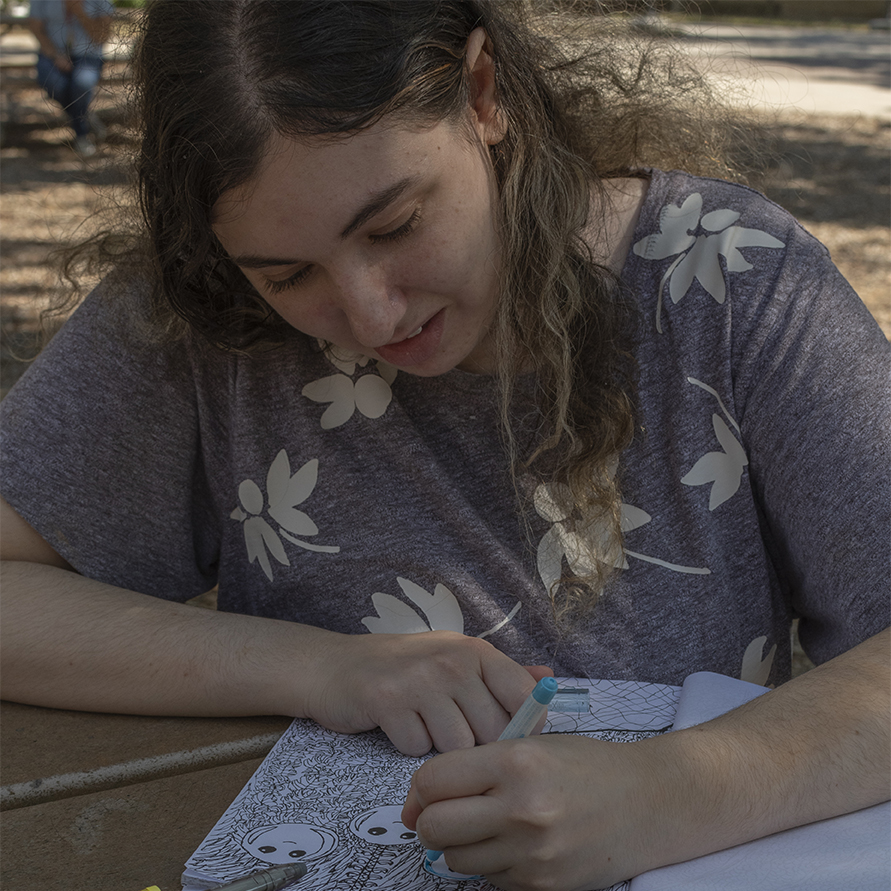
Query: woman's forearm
[[72, 642], [814, 748], [569, 812]]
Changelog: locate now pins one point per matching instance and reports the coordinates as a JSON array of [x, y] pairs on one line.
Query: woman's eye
[[276, 287], [400, 231]]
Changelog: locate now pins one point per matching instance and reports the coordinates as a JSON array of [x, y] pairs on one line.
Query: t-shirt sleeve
[[812, 373], [101, 455]]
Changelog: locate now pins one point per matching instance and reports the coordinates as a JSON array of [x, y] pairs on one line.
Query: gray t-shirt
[[333, 490]]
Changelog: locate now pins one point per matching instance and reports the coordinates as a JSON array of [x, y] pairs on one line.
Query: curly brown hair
[[584, 101]]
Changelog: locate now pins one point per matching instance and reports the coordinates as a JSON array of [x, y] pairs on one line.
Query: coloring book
[[334, 800]]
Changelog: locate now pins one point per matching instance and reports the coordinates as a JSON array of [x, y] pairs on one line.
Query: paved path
[[834, 71], [813, 70]]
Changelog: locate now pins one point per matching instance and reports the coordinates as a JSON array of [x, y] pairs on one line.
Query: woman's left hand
[[548, 812], [569, 813]]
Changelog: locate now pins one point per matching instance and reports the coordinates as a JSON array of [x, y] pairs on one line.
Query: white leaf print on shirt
[[698, 254], [283, 493], [722, 469], [756, 670], [371, 393], [560, 542], [441, 610]]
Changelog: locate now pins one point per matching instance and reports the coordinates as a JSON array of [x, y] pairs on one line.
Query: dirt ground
[[831, 172]]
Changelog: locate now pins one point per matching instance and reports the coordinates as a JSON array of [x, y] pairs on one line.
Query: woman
[[427, 248]]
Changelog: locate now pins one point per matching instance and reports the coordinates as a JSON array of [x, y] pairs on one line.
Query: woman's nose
[[373, 306]]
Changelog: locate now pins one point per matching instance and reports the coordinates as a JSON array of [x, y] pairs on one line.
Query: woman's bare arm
[[567, 812], [72, 642]]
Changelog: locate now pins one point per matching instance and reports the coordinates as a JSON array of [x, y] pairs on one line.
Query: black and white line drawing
[[335, 801]]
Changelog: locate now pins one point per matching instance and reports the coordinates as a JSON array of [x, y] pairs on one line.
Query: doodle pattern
[[334, 801]]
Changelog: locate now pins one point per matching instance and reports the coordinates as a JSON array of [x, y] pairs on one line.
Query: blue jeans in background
[[73, 90]]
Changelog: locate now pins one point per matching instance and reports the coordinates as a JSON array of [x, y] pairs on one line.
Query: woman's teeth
[[415, 333]]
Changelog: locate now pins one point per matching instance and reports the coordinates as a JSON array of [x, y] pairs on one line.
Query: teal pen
[[272, 879], [531, 711], [522, 723]]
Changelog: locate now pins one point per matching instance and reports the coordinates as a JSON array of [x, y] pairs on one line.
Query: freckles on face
[[382, 243]]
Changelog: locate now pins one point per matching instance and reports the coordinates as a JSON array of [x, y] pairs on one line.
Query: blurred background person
[[69, 63]]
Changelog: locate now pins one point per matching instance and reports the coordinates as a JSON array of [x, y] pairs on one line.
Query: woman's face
[[383, 243]]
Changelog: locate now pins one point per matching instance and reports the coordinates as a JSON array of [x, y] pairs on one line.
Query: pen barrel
[[529, 713], [272, 879]]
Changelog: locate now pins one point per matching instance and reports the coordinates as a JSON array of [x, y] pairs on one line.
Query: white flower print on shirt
[[440, 609], [698, 254], [283, 493], [754, 669], [722, 469], [371, 393], [560, 542]]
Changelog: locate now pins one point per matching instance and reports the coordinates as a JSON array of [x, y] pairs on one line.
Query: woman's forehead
[[322, 168]]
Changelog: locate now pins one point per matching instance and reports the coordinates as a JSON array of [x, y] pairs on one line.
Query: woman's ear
[[488, 118]]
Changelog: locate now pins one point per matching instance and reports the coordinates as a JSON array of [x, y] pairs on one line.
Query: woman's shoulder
[[114, 341], [657, 214], [714, 229], [678, 199]]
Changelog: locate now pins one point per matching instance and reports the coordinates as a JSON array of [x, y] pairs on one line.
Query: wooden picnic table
[[116, 802]]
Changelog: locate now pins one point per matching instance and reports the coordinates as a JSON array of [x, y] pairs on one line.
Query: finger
[[458, 822], [509, 683], [411, 810], [408, 732], [490, 858], [539, 671], [448, 724], [483, 713], [457, 774]]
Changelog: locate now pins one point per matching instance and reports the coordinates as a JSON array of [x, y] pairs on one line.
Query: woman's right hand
[[434, 689], [73, 642]]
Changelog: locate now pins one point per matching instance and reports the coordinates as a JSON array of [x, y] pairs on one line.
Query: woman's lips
[[418, 347]]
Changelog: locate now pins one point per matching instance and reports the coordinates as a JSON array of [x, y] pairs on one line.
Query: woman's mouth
[[420, 346]]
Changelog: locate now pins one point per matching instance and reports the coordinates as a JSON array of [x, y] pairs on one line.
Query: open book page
[[334, 801]]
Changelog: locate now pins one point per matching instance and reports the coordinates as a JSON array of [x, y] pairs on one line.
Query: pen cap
[[544, 690]]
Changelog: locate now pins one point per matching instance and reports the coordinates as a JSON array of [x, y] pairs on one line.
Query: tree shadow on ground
[[824, 170], [49, 190]]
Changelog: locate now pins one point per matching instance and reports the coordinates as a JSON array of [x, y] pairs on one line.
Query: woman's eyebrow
[[379, 201]]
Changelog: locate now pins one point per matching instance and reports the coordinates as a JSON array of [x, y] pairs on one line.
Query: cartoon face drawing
[[288, 842], [383, 826]]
